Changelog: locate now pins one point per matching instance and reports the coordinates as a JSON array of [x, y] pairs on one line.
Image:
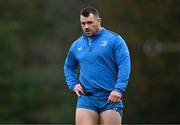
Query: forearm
[[123, 74], [71, 77]]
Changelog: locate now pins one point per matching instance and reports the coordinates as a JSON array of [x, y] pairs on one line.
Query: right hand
[[78, 89]]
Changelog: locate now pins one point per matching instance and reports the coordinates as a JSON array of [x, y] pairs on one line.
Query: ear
[[99, 20]]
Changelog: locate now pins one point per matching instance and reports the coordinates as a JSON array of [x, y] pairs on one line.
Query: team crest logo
[[104, 43]]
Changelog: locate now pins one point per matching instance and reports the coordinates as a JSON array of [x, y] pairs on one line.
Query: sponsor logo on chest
[[79, 48]]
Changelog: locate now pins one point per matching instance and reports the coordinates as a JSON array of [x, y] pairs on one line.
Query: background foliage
[[35, 36]]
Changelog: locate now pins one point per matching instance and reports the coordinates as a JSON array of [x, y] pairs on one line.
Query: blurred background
[[35, 36]]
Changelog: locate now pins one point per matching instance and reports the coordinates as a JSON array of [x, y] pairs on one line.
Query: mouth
[[88, 31]]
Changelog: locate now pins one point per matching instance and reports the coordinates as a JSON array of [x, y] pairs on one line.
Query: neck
[[99, 29]]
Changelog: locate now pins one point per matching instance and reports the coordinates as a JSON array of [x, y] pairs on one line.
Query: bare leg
[[86, 117], [110, 117]]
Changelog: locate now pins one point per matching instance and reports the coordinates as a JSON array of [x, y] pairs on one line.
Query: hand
[[114, 97], [78, 89]]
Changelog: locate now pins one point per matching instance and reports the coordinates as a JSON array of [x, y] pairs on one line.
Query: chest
[[93, 51]]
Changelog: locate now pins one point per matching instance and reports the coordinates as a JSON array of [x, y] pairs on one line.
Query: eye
[[90, 22], [83, 23]]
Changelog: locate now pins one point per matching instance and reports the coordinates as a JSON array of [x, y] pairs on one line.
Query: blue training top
[[103, 59]]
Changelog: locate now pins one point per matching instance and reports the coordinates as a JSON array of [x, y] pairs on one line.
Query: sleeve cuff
[[119, 90], [72, 88]]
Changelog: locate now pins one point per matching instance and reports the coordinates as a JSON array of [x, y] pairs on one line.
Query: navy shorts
[[98, 104]]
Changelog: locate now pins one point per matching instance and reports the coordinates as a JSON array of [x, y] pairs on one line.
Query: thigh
[[110, 117], [86, 117]]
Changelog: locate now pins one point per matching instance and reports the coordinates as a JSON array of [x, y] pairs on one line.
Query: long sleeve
[[70, 70], [123, 61]]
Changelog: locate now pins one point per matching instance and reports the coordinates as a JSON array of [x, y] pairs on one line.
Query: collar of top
[[94, 35]]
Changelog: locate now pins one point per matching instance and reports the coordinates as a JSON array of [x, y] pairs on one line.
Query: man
[[104, 62]]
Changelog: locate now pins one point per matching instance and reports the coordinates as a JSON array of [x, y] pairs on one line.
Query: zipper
[[89, 42]]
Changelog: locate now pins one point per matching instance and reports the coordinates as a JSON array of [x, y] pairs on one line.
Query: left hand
[[114, 97]]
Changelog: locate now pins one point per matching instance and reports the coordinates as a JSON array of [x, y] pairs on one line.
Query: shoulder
[[109, 32], [76, 43], [113, 37]]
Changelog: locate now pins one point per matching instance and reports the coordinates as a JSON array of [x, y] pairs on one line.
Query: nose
[[86, 26]]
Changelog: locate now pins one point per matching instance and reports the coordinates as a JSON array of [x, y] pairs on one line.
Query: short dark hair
[[86, 11]]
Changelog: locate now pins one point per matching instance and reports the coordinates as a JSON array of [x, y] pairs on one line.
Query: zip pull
[[90, 41]]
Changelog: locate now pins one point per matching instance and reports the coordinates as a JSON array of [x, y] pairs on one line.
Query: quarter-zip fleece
[[104, 64]]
